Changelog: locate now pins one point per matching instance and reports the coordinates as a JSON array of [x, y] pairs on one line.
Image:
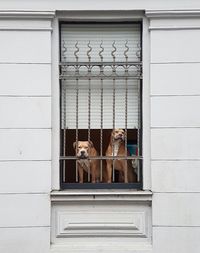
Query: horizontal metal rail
[[72, 70], [74, 77], [102, 158], [96, 63], [100, 185]]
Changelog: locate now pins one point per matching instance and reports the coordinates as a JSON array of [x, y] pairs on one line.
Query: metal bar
[[100, 63], [104, 157], [126, 135], [126, 104], [64, 129], [138, 131], [102, 186], [77, 94], [64, 51], [114, 87], [101, 131], [89, 118], [89, 109], [139, 55], [89, 100], [83, 77]]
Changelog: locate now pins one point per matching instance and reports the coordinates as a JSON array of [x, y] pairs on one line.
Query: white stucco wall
[[25, 134], [175, 132], [28, 78]]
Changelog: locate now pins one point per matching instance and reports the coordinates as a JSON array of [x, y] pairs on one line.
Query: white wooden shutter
[[95, 33]]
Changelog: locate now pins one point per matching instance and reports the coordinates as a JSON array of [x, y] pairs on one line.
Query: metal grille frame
[[101, 64]]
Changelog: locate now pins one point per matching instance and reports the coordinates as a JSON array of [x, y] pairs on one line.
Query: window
[[100, 105]]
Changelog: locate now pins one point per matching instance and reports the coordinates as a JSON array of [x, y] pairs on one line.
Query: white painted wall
[[29, 74], [25, 133], [175, 132]]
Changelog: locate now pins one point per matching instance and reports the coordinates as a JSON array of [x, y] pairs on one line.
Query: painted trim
[[146, 138], [169, 28], [100, 16], [55, 92], [26, 29], [172, 13], [101, 195], [133, 247], [27, 14], [55, 87]]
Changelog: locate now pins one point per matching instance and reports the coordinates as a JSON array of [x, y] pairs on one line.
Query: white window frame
[[100, 16]]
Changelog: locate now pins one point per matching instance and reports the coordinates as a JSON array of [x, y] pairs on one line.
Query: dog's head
[[83, 149], [118, 134]]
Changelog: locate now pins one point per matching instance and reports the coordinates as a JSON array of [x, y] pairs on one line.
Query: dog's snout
[[82, 152]]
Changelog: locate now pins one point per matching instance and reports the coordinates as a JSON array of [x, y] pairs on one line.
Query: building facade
[[39, 213]]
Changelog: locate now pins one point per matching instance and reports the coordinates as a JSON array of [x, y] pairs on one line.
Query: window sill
[[101, 195]]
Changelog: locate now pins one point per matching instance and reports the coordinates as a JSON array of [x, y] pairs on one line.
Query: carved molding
[[164, 20], [114, 225], [26, 21], [101, 224]]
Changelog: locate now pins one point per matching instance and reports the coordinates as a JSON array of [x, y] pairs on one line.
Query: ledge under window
[[101, 195]]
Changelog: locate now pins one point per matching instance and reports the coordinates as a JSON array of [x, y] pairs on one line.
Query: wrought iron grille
[[89, 89]]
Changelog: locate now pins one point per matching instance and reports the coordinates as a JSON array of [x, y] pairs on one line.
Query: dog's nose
[[82, 152]]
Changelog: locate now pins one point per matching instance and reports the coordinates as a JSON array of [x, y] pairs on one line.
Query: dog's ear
[[74, 145], [91, 144]]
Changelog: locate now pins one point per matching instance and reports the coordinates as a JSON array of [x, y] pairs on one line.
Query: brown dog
[[116, 147], [85, 150]]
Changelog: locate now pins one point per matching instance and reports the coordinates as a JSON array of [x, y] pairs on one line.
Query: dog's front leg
[[80, 173], [109, 171], [93, 174], [125, 172]]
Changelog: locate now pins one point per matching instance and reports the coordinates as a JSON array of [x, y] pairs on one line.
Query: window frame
[[133, 17]]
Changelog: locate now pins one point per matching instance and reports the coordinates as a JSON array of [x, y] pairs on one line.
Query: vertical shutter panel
[[95, 33]]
